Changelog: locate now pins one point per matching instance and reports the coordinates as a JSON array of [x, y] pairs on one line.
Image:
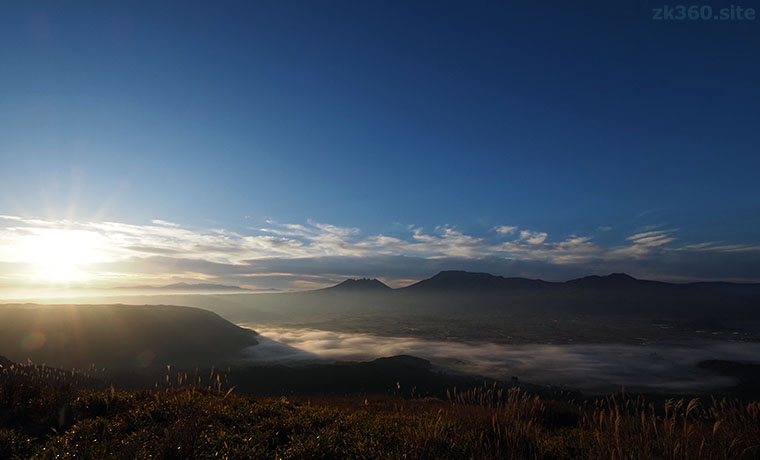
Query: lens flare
[[33, 341]]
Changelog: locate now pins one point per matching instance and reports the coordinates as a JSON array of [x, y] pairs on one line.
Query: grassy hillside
[[117, 336], [44, 414]]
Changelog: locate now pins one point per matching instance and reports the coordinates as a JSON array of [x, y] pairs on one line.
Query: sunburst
[[60, 256]]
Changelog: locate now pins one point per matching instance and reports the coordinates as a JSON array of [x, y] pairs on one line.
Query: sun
[[59, 256]]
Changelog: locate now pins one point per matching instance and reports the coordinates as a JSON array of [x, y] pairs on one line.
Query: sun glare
[[59, 256]]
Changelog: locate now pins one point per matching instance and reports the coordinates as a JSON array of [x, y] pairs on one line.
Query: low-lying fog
[[588, 367]]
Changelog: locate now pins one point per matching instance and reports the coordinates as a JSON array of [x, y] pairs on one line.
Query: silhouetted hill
[[363, 284], [614, 280], [118, 336], [395, 374], [748, 375]]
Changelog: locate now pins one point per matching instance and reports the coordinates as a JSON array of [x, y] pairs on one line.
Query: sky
[[290, 145]]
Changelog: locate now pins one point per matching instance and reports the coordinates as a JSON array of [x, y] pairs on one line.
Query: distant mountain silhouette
[[185, 287], [457, 280], [617, 293], [467, 294], [614, 280], [363, 284]]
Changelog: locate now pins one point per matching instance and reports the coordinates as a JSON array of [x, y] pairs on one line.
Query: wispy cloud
[[645, 243], [164, 223]]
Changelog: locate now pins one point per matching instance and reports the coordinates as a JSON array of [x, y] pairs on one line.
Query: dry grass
[[45, 414]]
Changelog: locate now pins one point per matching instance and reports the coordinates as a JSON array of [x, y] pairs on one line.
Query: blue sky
[[588, 121]]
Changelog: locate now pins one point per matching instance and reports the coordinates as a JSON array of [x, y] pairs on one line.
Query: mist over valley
[[594, 334]]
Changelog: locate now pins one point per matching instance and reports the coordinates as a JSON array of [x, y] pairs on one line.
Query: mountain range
[[449, 280], [616, 293], [471, 294]]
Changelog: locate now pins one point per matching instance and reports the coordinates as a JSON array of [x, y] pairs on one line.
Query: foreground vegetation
[[48, 414]]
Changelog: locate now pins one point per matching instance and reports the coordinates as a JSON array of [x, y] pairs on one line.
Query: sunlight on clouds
[[111, 254], [164, 223], [56, 255]]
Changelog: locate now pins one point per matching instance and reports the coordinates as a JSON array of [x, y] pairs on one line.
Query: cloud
[[298, 255], [531, 237], [164, 223], [505, 229], [655, 238], [645, 243]]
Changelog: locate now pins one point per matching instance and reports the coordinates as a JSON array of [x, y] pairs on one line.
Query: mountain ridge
[[460, 279], [615, 293], [359, 284]]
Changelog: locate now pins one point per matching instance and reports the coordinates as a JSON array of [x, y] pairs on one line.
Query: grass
[[49, 414]]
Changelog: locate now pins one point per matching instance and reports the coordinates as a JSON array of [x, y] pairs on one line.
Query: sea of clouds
[[594, 367]]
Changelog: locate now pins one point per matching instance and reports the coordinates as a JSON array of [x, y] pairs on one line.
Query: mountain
[[360, 285], [459, 280], [118, 336]]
